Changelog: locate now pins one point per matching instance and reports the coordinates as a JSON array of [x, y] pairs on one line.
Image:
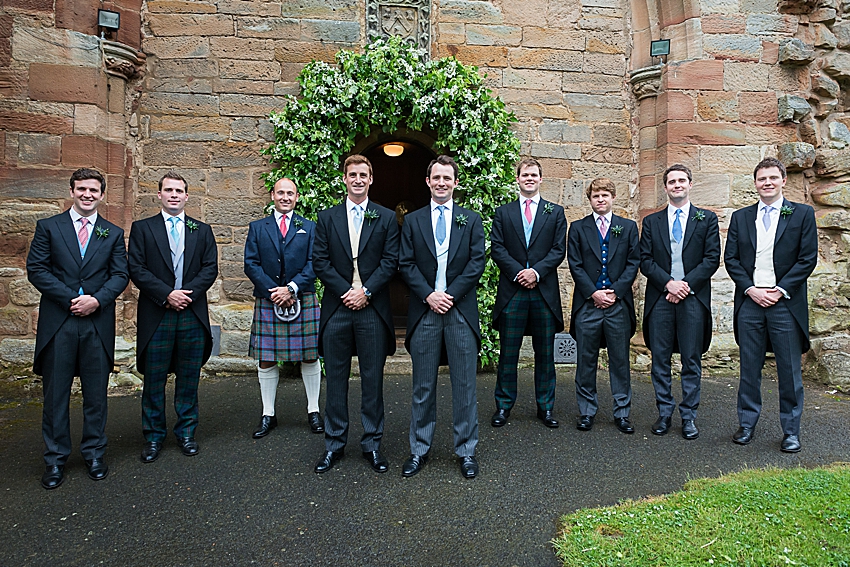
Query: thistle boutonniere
[[461, 220], [101, 232], [698, 216], [191, 225], [370, 215], [785, 211], [548, 208], [297, 222], [617, 230]]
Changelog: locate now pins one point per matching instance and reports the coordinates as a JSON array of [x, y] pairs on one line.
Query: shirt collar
[[447, 205], [278, 215], [349, 204], [75, 216], [535, 199], [671, 210], [607, 216], [777, 204], [181, 216]]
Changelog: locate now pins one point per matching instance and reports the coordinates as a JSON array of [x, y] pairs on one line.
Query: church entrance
[[399, 170]]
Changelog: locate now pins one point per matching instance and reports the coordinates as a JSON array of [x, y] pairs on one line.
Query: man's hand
[[765, 297], [281, 296], [527, 278], [679, 289], [440, 302], [83, 305], [672, 298], [355, 299], [604, 298], [179, 299]]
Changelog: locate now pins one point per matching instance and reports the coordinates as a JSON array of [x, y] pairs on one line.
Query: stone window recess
[[408, 19]]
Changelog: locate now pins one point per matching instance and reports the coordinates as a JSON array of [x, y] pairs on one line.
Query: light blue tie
[[358, 217], [441, 225], [677, 227], [175, 236], [766, 217]]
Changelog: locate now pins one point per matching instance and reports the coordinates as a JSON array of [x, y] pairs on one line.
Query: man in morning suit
[[603, 254], [771, 250], [356, 256], [528, 243], [279, 262], [679, 252], [173, 261], [441, 260], [78, 262]]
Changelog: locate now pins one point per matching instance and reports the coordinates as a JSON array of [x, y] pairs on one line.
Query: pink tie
[[283, 226], [83, 234], [603, 230], [528, 210]]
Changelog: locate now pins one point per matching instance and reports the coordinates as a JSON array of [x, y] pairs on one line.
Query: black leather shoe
[[326, 463], [315, 421], [468, 466], [624, 425], [744, 435], [53, 477], [413, 465], [661, 425], [189, 446], [376, 460], [500, 417], [267, 423], [585, 423], [547, 419], [97, 469], [689, 429], [150, 452], [790, 444]]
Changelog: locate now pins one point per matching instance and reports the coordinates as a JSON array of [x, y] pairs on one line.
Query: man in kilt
[[356, 256], [173, 261], [279, 262]]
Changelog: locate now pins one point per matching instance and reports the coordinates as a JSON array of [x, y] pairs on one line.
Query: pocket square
[[301, 231]]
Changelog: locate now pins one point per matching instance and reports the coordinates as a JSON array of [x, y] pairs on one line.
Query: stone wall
[[745, 79]]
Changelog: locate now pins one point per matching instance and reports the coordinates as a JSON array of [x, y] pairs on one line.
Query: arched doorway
[[399, 184]]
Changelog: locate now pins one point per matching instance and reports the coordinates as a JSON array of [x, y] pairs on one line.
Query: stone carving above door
[[408, 19]]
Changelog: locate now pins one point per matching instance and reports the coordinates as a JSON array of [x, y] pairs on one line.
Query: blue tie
[[441, 225], [358, 217], [174, 234], [766, 217], [677, 227]]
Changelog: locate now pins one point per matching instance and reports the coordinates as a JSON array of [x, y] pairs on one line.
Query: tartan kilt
[[273, 339]]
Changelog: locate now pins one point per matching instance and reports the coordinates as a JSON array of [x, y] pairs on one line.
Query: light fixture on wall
[[393, 150], [108, 22], [659, 48]]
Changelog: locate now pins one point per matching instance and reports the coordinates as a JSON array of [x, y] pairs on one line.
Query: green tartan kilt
[[276, 340]]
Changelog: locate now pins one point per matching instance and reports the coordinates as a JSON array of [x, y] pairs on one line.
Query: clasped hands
[[83, 305], [355, 299], [677, 290], [527, 278], [440, 302], [282, 296], [179, 299], [764, 297], [604, 298]]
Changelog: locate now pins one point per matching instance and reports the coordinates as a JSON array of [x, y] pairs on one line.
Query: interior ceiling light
[[393, 150]]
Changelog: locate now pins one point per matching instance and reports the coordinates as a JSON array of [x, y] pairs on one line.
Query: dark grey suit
[[68, 345], [457, 331], [683, 327], [612, 327], [367, 333], [782, 328]]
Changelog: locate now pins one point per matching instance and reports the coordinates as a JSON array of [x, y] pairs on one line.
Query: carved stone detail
[[408, 19], [646, 82], [122, 60]]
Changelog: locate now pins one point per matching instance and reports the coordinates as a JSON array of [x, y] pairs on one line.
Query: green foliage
[[388, 86], [757, 517]]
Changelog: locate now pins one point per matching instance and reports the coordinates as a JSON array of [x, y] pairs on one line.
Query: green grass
[[756, 517]]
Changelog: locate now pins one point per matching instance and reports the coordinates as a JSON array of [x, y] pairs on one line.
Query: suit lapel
[[750, 223], [427, 233], [365, 229], [190, 238], [457, 230], [783, 221], [160, 236], [613, 238], [273, 232], [339, 217], [539, 220], [69, 235], [662, 227], [94, 242], [292, 231], [515, 216], [592, 235], [690, 228]]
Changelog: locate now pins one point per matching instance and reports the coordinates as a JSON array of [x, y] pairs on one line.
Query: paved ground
[[244, 502]]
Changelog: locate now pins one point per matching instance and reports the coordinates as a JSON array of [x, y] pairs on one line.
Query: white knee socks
[[311, 374], [268, 387]]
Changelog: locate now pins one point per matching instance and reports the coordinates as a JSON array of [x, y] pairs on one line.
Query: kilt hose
[[179, 336], [273, 340], [526, 309]]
